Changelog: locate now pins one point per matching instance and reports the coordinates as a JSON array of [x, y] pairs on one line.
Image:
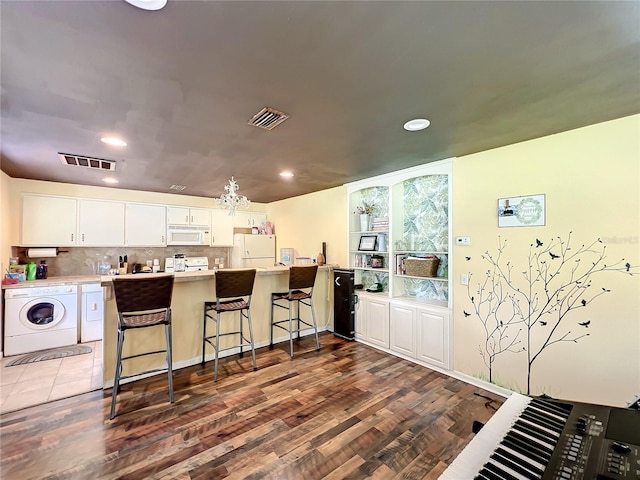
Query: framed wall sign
[[526, 211], [367, 243]]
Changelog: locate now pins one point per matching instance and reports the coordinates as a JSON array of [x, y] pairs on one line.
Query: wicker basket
[[421, 267]]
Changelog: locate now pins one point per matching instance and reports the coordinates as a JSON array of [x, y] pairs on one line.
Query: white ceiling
[[180, 84]]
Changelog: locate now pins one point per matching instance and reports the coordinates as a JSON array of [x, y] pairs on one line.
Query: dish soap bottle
[[31, 271], [41, 271]]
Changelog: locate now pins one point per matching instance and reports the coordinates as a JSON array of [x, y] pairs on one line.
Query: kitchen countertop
[[106, 280]]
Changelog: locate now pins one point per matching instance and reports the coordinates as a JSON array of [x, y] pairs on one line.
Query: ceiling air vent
[[87, 162], [178, 188], [268, 118]]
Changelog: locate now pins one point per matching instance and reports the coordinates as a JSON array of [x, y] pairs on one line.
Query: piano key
[[487, 474], [552, 408], [550, 434], [531, 431], [538, 417], [502, 471], [527, 462], [516, 464], [525, 449]]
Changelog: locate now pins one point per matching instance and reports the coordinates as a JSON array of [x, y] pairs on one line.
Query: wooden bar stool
[[142, 302], [301, 282], [232, 287]]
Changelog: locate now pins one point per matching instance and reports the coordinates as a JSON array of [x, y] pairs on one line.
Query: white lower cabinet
[[402, 321], [433, 335], [421, 332], [372, 320]]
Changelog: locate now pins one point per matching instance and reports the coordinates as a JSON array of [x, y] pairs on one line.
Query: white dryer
[[38, 318]]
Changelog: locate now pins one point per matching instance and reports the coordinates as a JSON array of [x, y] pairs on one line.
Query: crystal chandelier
[[231, 200]]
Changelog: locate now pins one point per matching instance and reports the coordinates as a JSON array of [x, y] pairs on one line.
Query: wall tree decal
[[536, 302]]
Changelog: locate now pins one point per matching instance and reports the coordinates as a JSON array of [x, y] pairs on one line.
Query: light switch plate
[[466, 241]]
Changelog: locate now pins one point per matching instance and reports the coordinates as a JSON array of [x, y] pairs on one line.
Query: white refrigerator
[[250, 251]]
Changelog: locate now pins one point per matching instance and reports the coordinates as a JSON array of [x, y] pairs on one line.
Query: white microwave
[[186, 235]]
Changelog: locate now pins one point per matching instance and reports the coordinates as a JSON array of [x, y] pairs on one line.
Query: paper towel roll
[[42, 252]]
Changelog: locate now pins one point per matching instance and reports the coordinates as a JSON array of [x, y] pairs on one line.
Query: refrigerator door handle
[[356, 299]]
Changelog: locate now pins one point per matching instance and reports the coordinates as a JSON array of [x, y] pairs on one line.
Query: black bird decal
[[628, 266], [553, 257], [583, 302], [538, 243], [585, 324], [465, 313], [543, 323], [469, 258]]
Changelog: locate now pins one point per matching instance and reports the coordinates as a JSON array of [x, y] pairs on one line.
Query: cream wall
[[19, 186], [591, 179], [5, 234], [304, 222]]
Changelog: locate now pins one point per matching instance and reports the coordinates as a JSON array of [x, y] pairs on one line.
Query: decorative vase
[[364, 222], [320, 260]]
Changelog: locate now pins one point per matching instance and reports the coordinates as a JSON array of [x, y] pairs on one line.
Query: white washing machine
[[38, 318]]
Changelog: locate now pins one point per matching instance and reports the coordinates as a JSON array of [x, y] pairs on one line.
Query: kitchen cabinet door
[[402, 335], [178, 215], [49, 221], [145, 225], [221, 228], [377, 318], [242, 220], [188, 216], [200, 217], [433, 332], [101, 223]]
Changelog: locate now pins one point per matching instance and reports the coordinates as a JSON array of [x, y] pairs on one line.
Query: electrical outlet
[[464, 279], [465, 241]]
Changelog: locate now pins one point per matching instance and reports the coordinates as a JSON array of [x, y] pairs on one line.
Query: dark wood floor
[[345, 412]]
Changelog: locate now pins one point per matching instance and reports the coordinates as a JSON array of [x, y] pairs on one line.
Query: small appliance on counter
[[185, 264]]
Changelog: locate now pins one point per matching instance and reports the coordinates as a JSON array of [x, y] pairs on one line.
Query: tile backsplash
[[82, 260]]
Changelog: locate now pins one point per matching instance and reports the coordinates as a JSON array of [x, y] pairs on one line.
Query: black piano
[[534, 438]]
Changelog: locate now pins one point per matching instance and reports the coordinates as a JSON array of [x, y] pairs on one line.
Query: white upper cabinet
[[188, 216], [48, 221], [221, 228], [145, 225], [101, 223], [249, 219]]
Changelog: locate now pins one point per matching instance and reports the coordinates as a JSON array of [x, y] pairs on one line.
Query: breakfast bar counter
[[190, 291]]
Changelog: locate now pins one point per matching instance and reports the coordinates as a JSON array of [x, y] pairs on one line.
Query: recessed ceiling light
[[110, 180], [116, 142], [417, 124], [148, 4], [286, 174]]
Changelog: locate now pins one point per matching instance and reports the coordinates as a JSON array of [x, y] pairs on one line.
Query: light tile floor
[[34, 383]]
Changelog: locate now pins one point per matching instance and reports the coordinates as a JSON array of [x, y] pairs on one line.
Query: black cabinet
[[344, 299]]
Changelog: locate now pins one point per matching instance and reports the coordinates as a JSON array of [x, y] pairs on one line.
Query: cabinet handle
[[72, 237], [191, 218], [83, 237], [162, 239], [186, 218]]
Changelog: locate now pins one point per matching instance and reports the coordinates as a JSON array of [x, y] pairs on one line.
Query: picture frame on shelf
[[368, 243]]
